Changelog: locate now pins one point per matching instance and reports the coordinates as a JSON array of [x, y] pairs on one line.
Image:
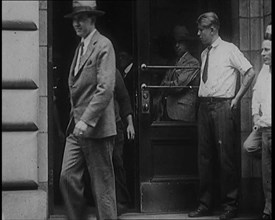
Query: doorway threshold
[[151, 216]]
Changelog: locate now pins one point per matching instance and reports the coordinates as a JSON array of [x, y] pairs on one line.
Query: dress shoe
[[228, 214], [265, 216], [200, 212]]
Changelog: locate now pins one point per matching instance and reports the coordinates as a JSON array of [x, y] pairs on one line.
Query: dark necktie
[[81, 48], [205, 69]]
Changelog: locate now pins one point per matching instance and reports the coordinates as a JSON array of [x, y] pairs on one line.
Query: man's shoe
[[228, 214], [266, 216], [200, 212]]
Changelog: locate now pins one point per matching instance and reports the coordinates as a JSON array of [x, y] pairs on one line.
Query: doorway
[[168, 147], [118, 25], [161, 165]]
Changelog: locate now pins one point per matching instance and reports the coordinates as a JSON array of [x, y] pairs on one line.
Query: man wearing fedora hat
[[180, 103], [92, 127]]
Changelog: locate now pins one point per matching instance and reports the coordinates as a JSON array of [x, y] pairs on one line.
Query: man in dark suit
[[128, 70], [180, 103], [92, 125], [124, 121]]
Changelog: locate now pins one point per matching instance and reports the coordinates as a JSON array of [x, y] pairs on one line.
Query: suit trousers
[[217, 133], [96, 154], [267, 168], [122, 193]]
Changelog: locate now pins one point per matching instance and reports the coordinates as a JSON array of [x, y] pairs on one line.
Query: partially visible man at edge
[[92, 127], [217, 127], [258, 143]]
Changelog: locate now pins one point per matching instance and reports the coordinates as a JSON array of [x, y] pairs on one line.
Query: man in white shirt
[[259, 141], [222, 62], [253, 143]]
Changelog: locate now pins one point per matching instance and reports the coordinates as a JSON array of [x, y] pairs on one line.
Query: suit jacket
[[91, 90], [129, 80], [123, 105], [181, 103]]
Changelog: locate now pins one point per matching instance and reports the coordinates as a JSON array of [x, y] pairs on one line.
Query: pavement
[[151, 216]]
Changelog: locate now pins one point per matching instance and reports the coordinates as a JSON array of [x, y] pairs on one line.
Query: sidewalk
[[150, 216]]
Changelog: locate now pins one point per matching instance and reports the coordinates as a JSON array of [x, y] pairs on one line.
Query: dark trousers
[[122, 193], [96, 154], [217, 142], [267, 168]]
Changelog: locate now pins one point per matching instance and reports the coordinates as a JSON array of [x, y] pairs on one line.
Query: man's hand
[[234, 104], [80, 128], [130, 132]]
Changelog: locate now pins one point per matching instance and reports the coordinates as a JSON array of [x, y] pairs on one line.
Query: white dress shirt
[[225, 62], [127, 70], [86, 42], [261, 99]]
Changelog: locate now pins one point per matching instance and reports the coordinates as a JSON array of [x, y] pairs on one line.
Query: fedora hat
[[182, 34], [88, 7]]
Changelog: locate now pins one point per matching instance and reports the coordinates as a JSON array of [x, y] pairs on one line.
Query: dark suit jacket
[[130, 82], [181, 103], [91, 90], [123, 105]]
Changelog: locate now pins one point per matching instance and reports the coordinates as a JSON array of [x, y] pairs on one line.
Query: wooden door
[[167, 149]]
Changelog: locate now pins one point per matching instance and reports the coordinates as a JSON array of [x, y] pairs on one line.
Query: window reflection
[[174, 100]]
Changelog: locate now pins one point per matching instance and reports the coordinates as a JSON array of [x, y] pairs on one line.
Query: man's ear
[[212, 29]]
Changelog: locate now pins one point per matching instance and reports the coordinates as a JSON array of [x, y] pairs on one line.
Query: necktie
[[205, 69], [81, 49]]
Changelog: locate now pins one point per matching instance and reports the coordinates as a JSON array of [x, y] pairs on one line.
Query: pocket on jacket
[[90, 66]]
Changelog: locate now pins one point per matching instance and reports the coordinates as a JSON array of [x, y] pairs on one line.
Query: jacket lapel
[[71, 74], [89, 51], [189, 74]]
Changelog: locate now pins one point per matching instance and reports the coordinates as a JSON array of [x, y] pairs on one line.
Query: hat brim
[[94, 12]]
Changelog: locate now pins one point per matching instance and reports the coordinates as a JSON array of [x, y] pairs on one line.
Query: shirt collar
[[127, 69], [216, 42], [87, 40]]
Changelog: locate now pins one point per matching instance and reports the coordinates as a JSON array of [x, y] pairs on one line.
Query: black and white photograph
[[136, 109]]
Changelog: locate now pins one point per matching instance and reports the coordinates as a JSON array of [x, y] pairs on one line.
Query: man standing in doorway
[[92, 126], [217, 129], [124, 121]]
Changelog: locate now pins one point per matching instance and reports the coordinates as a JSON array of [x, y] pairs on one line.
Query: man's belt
[[213, 99]]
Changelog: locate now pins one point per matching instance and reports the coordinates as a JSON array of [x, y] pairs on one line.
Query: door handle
[[144, 86], [145, 67], [145, 94]]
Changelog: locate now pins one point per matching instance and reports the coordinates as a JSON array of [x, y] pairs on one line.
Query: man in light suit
[[180, 103], [92, 125]]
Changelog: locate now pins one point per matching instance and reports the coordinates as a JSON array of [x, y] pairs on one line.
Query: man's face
[[266, 52], [82, 24], [205, 34], [123, 59], [268, 29], [180, 47]]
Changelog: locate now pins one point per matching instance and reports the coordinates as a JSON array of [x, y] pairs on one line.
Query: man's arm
[[247, 80], [183, 77]]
